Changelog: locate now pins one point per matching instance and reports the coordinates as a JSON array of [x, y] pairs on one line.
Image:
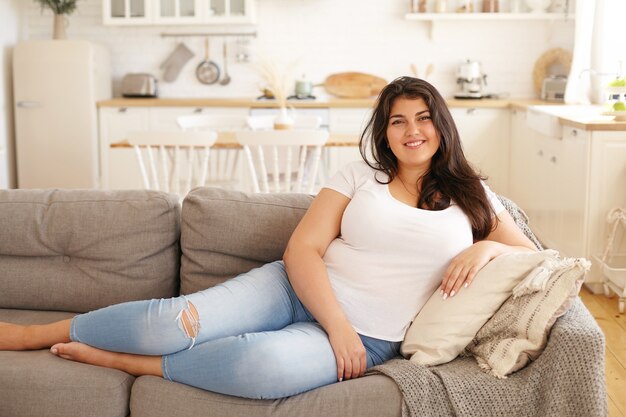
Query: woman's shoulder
[[360, 168]]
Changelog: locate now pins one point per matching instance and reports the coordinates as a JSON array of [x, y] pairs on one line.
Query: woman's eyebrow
[[417, 114]]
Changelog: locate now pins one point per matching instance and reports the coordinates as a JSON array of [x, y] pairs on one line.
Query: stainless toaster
[[553, 88], [139, 85]]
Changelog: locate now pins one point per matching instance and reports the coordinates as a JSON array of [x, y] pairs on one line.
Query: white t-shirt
[[390, 257]]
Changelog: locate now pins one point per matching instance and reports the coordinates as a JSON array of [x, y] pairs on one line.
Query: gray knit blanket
[[566, 380]]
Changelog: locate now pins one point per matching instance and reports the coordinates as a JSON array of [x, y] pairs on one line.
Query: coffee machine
[[471, 79]]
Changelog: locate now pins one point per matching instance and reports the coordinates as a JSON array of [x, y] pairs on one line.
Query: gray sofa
[[66, 252]]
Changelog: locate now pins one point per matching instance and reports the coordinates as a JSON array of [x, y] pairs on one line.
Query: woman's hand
[[349, 352], [464, 267]]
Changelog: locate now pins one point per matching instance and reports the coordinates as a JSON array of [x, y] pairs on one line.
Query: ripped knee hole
[[190, 321]]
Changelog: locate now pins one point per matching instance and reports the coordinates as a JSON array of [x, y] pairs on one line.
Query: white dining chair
[[263, 122], [223, 170], [292, 161], [173, 161]]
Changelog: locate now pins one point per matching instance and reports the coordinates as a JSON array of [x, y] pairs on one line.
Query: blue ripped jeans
[[254, 339]]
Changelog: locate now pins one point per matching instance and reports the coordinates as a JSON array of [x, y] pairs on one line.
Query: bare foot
[[79, 352], [11, 337], [133, 364]]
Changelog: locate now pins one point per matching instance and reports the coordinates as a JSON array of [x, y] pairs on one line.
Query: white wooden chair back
[[300, 122], [223, 166], [293, 158], [173, 161]]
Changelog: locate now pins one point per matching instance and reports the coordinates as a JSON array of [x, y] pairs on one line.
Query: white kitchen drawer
[[573, 133]]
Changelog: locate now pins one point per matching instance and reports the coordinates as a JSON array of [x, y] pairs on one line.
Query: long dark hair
[[450, 176]]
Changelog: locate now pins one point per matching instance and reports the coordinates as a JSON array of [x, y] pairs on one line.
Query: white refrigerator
[[56, 85]]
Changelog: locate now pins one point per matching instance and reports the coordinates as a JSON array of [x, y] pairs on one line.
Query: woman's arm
[[309, 278], [505, 238]]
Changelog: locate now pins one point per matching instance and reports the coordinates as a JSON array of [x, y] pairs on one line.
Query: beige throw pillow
[[519, 330], [443, 328]]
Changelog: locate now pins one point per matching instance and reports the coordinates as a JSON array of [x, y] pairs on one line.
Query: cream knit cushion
[[519, 330], [443, 328]]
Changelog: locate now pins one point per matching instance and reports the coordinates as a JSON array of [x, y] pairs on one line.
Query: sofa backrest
[[78, 250], [225, 233]]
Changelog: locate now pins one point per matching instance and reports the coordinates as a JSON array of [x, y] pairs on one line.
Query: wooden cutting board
[[354, 85]]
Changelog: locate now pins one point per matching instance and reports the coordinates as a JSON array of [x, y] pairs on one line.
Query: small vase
[[58, 30], [283, 121]]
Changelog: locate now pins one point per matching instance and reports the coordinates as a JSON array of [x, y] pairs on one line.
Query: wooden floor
[[613, 325]]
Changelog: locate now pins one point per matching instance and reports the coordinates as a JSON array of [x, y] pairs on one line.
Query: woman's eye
[[397, 122], [422, 118]]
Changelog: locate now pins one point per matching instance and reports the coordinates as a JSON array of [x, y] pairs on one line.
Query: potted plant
[[60, 8]]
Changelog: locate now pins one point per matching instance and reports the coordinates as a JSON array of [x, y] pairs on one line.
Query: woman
[[377, 241]]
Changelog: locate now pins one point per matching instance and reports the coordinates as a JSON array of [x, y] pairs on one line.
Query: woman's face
[[412, 136]]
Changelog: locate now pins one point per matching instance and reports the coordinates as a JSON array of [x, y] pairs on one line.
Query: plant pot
[[58, 30]]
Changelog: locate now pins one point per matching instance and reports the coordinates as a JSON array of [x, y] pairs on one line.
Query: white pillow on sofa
[[443, 328]]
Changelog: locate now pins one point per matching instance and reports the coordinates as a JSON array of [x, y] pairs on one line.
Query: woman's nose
[[412, 128]]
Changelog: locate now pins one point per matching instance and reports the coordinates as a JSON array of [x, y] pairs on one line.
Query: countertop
[[581, 121], [322, 103]]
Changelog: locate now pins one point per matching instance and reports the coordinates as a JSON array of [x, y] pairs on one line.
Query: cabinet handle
[[553, 159], [514, 112], [198, 110], [28, 104], [471, 110], [122, 110], [540, 153], [574, 132]]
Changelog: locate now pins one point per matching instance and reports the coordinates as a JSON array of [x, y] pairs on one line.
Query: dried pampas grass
[[279, 80]]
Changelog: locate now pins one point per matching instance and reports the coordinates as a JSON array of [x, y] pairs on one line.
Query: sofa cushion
[[225, 233], [37, 383], [369, 396], [442, 328], [518, 332], [79, 250]]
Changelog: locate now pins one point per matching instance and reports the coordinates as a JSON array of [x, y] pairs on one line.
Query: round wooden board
[[354, 85]]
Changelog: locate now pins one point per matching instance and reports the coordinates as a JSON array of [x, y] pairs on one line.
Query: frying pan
[[207, 71]]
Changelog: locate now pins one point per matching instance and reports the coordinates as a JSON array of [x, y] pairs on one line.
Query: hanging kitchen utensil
[[207, 71], [226, 79], [175, 62]]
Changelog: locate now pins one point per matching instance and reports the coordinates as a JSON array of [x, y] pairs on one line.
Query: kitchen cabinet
[[520, 185], [119, 169], [484, 136], [178, 12], [567, 182], [127, 12], [559, 174]]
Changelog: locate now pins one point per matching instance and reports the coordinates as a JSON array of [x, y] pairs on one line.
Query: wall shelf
[[486, 16], [434, 18]]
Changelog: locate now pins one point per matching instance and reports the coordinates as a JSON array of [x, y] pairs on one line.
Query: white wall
[[327, 36], [9, 33]]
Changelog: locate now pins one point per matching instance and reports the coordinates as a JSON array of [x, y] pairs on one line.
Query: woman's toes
[[69, 351]]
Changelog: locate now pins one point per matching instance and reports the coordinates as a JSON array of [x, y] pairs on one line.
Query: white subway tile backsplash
[[326, 36]]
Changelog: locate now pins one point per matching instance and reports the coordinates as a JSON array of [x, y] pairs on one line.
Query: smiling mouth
[[414, 144]]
